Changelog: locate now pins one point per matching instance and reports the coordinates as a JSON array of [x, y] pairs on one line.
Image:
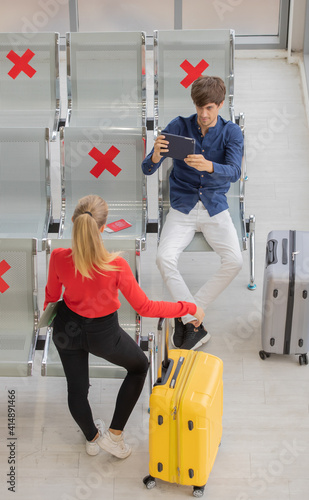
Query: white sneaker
[[92, 448], [114, 445]]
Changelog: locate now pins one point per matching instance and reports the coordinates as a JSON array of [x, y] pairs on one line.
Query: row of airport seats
[[20, 312], [101, 148], [105, 80], [25, 204], [106, 89]]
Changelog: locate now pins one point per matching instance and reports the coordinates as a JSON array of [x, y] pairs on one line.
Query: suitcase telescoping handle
[[163, 361], [164, 325], [167, 364]]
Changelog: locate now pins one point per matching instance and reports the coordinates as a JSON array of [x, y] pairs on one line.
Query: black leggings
[[75, 337]]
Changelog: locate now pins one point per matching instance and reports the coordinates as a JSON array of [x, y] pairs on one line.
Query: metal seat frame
[[199, 43], [25, 197], [30, 100], [106, 79], [19, 310], [129, 320]]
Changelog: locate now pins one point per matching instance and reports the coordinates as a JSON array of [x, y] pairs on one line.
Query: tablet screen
[[179, 147]]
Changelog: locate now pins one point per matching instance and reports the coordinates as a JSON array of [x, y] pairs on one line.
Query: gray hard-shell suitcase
[[285, 315]]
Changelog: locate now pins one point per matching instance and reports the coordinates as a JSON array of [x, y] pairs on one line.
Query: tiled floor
[[264, 452]]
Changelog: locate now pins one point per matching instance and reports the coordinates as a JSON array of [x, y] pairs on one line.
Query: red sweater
[[93, 298]]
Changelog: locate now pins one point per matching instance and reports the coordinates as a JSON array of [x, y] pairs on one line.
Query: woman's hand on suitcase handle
[[200, 315]]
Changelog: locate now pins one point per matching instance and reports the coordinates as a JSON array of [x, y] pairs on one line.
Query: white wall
[[246, 17], [131, 15], [298, 8], [31, 16]]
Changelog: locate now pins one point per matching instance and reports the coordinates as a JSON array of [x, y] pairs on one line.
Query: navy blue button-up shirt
[[223, 145]]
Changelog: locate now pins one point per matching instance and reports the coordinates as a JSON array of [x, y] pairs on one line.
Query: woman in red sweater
[[87, 322]]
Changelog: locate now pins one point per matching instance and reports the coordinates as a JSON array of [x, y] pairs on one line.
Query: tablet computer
[[179, 147], [48, 315]]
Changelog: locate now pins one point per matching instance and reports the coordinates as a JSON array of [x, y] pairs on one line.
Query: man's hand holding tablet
[[180, 148], [173, 146]]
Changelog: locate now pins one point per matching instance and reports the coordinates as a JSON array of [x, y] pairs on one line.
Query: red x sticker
[[21, 63], [105, 161], [193, 72], [4, 267]]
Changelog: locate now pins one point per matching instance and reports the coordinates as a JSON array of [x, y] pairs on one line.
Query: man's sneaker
[[92, 448], [179, 332], [114, 444], [194, 336]]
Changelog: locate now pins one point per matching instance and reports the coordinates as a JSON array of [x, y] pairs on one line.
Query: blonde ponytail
[[88, 251]]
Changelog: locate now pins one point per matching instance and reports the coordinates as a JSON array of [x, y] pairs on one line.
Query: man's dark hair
[[208, 89]]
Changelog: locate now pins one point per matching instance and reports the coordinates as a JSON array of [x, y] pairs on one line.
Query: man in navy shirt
[[198, 187]]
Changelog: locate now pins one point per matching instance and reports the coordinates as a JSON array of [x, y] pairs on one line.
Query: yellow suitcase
[[185, 429]]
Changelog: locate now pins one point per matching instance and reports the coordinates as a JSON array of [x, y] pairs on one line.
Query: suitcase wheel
[[149, 482], [303, 359], [198, 491], [264, 355]]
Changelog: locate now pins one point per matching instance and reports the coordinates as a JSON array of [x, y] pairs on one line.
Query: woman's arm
[[150, 308]]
